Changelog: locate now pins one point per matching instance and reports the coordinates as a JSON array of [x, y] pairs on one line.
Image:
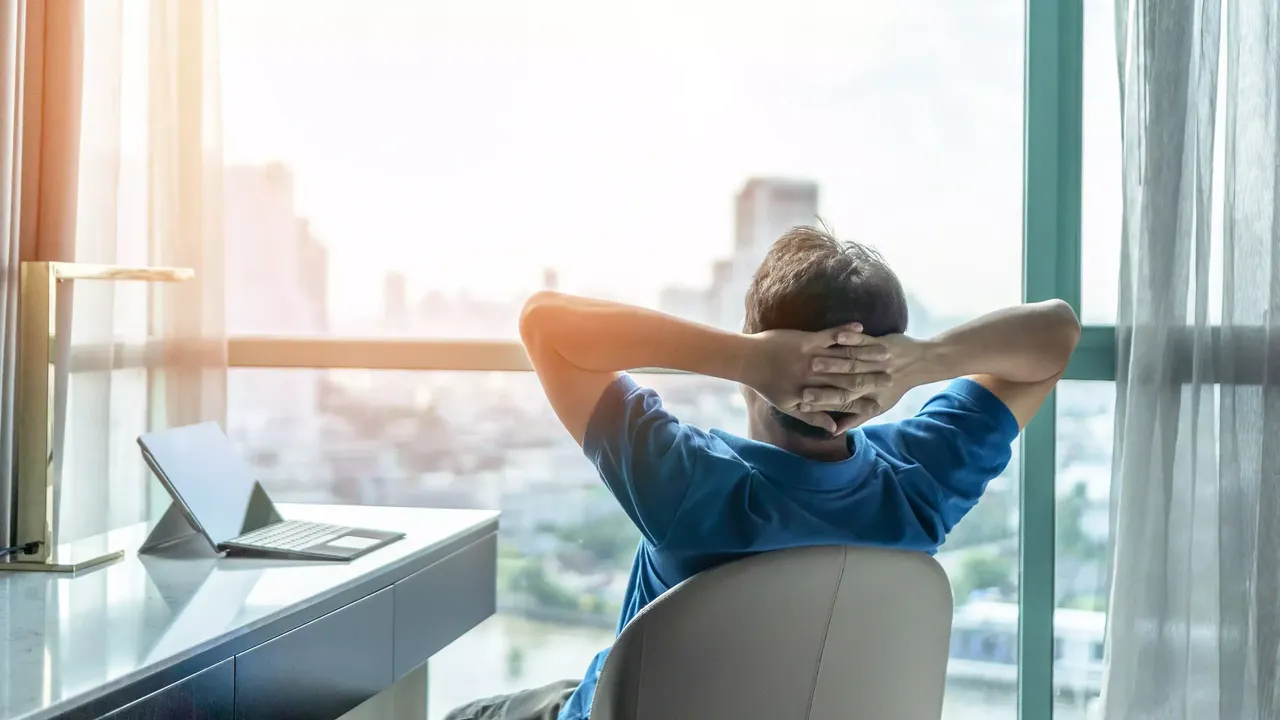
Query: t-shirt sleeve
[[961, 439], [646, 457]]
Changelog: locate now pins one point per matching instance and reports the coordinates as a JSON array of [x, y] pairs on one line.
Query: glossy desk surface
[[67, 640]]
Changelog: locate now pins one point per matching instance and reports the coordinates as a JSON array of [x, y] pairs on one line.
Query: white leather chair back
[[820, 633]]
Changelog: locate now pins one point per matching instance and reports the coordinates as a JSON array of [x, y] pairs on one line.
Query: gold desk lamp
[[37, 347]]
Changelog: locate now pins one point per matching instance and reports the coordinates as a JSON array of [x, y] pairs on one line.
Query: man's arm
[[579, 345], [1018, 353]]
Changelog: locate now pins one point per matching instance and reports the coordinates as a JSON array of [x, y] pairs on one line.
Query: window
[[472, 439], [411, 169], [1083, 487], [417, 169], [1101, 201]]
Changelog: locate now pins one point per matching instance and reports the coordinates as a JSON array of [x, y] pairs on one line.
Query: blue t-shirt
[[704, 498]]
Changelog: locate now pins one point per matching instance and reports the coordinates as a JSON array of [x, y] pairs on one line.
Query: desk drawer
[[207, 695], [322, 669], [439, 604]]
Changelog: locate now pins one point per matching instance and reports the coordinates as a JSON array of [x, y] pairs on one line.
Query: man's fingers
[[836, 400], [872, 349], [835, 389], [872, 358], [820, 419], [853, 421], [850, 334], [866, 407]]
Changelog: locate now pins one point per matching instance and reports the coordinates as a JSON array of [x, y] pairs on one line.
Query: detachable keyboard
[[291, 535]]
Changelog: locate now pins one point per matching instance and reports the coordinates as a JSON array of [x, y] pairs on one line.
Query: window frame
[[1052, 157], [1051, 266]]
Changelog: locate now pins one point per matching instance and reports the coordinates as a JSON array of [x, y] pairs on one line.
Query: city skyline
[[473, 144], [267, 229]]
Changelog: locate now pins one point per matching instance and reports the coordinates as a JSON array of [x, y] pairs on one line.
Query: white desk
[[180, 633]]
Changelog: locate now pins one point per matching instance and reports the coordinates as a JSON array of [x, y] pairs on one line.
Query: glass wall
[[489, 440], [1101, 200], [418, 168], [1086, 414], [412, 169]]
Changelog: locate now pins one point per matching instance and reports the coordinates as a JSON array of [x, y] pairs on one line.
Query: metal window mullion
[[1051, 268], [1095, 356]]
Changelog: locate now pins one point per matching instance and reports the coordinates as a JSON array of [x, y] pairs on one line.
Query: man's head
[[811, 281]]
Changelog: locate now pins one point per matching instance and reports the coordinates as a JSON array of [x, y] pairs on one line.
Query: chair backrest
[[820, 633]]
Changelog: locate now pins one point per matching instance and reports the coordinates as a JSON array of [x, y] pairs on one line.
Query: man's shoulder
[[629, 411], [961, 424], [957, 405]]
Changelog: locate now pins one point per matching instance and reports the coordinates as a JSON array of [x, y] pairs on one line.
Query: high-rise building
[[272, 286], [550, 279], [723, 307], [765, 209], [315, 275], [271, 270], [395, 302]]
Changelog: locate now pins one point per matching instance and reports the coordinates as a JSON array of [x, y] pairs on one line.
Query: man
[[823, 350]]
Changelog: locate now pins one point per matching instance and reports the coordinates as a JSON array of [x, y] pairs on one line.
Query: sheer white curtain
[[11, 23], [148, 193], [1194, 624]]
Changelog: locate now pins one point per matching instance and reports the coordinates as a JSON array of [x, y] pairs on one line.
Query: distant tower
[[550, 279], [724, 307], [314, 259], [764, 210], [395, 301], [276, 280]]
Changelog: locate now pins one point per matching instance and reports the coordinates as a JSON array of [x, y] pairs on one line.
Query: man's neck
[[766, 430]]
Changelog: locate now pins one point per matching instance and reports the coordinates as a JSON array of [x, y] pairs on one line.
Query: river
[[508, 653]]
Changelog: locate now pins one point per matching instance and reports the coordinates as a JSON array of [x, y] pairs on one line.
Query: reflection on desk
[[66, 642]]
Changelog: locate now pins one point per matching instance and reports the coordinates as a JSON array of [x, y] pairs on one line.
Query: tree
[[533, 580], [983, 570], [986, 523], [1071, 539], [609, 539]]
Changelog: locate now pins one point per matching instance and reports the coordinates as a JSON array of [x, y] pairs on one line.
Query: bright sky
[[471, 143]]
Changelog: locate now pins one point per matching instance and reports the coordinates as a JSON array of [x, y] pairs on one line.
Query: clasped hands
[[810, 374]]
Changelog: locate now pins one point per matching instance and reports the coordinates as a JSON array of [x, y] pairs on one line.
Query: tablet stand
[[173, 527]]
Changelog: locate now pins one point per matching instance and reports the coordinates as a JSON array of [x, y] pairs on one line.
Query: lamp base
[[69, 558]]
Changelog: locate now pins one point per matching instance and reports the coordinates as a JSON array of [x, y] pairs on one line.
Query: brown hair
[[811, 281]]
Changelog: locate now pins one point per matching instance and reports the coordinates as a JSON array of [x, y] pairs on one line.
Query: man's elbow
[[1066, 329], [539, 316]]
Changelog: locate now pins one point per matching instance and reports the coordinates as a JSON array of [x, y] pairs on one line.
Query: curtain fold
[[11, 29], [145, 356], [39, 114], [1250, 362], [1194, 628]]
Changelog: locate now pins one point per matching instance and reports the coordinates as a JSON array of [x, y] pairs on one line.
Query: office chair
[[820, 633]]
